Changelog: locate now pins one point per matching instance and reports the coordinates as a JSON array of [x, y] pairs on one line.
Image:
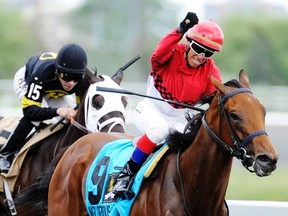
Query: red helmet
[[207, 33]]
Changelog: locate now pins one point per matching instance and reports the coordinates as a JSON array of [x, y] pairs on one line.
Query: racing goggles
[[76, 77], [199, 49]]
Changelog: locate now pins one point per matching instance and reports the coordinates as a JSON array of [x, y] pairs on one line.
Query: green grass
[[244, 185]]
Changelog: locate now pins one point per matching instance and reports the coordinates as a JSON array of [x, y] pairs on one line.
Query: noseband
[[239, 152]]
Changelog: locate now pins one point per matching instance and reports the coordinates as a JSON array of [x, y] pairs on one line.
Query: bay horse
[[97, 112], [193, 178]]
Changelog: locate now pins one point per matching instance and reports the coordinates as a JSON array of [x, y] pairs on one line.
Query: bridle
[[239, 150]]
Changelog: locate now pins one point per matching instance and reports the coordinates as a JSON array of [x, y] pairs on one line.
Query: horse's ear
[[218, 85], [117, 77], [88, 72], [244, 79], [91, 74]]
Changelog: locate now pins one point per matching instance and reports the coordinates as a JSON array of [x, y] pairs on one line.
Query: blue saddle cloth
[[99, 199]]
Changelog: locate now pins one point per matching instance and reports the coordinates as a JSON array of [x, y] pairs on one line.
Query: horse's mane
[[180, 140], [90, 78], [234, 83]]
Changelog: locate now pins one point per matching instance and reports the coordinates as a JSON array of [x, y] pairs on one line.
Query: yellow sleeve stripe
[[27, 102]]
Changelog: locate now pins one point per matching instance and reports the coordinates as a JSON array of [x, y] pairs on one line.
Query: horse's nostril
[[264, 158]]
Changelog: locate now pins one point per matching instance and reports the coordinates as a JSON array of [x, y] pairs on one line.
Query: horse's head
[[241, 125], [103, 111]]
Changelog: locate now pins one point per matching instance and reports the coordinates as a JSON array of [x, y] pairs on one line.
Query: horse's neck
[[205, 170], [204, 158], [71, 135]]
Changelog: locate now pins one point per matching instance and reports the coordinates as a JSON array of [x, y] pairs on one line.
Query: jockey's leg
[[154, 124], [14, 143], [144, 147]]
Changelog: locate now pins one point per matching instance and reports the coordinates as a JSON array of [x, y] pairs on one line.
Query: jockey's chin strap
[[240, 151]]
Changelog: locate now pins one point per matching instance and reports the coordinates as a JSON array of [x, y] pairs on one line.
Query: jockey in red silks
[[181, 73]]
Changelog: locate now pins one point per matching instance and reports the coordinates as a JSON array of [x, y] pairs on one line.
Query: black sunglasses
[[70, 76], [198, 49]]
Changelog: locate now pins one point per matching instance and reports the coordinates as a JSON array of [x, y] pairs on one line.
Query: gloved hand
[[189, 21]]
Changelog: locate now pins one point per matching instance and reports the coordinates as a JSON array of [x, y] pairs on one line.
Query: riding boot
[[143, 149], [14, 143], [125, 176]]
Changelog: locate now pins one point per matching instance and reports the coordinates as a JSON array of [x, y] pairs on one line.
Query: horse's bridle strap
[[225, 147], [240, 152], [252, 136], [231, 94]]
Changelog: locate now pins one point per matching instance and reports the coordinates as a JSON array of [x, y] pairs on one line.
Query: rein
[[239, 152], [79, 126]]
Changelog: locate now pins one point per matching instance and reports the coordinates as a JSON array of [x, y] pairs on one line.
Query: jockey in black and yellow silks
[[47, 86]]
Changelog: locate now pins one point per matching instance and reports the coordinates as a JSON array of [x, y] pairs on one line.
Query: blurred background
[[114, 32]]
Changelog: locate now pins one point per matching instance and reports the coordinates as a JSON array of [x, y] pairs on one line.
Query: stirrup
[[6, 168], [128, 193], [6, 162], [121, 186]]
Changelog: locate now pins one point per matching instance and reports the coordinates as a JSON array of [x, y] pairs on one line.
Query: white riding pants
[[148, 119]]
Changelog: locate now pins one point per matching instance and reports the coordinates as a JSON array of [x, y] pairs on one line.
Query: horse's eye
[[124, 100], [98, 101], [234, 117]]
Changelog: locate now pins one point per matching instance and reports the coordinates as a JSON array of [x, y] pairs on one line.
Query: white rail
[[257, 208]]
